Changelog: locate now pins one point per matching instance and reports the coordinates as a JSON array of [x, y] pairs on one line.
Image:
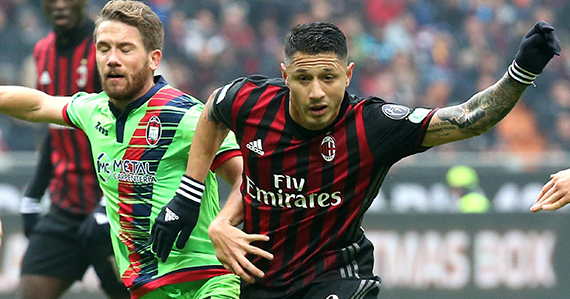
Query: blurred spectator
[[463, 183], [414, 52]]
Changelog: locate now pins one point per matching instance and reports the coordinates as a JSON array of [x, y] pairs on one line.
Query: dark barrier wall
[[472, 256]]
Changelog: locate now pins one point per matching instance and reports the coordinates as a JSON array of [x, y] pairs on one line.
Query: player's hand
[[30, 209], [555, 194], [535, 51], [232, 244], [179, 216]]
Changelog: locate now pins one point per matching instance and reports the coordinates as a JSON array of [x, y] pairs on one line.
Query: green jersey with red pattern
[[140, 156]]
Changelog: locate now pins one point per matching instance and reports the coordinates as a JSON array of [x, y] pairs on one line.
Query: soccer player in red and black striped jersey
[[74, 234], [315, 158]]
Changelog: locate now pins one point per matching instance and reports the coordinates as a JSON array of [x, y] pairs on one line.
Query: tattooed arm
[[476, 116]]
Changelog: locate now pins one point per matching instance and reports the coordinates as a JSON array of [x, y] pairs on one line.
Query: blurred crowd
[[426, 53]]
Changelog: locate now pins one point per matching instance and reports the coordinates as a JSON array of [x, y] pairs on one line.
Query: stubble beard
[[132, 88]]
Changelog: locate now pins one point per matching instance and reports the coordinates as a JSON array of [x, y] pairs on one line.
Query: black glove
[[535, 51], [180, 215], [30, 209]]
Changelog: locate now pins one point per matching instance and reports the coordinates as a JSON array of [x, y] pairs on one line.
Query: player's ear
[[284, 73], [155, 58], [349, 70]]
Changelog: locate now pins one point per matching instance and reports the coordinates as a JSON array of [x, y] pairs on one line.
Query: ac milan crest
[[153, 130], [328, 148], [82, 73]]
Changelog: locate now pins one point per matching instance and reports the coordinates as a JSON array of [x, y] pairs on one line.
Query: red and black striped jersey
[[66, 65], [308, 190]]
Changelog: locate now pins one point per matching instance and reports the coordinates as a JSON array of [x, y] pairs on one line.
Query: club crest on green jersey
[[153, 130]]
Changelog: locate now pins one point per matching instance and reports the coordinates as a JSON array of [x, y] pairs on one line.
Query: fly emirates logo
[[289, 194]]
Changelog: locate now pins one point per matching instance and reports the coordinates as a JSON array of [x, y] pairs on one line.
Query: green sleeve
[[189, 128], [76, 107]]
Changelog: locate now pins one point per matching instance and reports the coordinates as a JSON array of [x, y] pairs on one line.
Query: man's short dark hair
[[315, 38]]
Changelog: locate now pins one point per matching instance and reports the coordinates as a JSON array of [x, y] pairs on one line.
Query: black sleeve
[[224, 100], [395, 131], [43, 174]]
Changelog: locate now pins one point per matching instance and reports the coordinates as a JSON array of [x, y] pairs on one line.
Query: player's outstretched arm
[[486, 108], [32, 105], [555, 194]]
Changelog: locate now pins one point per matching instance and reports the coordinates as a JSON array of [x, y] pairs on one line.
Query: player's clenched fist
[[535, 51]]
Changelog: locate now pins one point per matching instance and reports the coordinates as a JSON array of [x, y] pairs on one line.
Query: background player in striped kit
[[323, 156], [68, 239], [140, 130]]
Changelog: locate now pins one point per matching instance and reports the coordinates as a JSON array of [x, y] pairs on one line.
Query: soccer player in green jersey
[[141, 129]]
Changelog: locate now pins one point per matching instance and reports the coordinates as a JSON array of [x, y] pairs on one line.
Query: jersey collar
[[302, 133]]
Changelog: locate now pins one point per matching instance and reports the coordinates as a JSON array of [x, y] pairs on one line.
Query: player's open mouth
[[114, 76], [318, 110]]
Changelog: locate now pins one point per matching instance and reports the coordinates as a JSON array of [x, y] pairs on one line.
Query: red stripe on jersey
[[425, 125], [314, 184], [249, 135], [40, 56], [66, 116], [223, 157], [92, 65], [76, 60], [59, 162], [364, 173], [178, 277], [62, 76], [51, 67], [240, 100], [247, 223], [127, 192], [286, 217], [163, 96]]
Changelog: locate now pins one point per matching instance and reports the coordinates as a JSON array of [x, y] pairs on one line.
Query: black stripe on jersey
[[77, 160], [373, 188], [302, 171], [49, 66], [56, 74], [245, 111], [60, 189], [242, 116], [271, 110], [353, 147], [70, 74]]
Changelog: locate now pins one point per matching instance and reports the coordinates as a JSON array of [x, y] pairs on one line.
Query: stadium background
[[415, 52]]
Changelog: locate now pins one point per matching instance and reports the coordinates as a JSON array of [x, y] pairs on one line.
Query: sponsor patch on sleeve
[[418, 115], [395, 112], [222, 94]]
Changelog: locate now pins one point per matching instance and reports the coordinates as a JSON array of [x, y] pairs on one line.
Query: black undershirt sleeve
[[40, 181]]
